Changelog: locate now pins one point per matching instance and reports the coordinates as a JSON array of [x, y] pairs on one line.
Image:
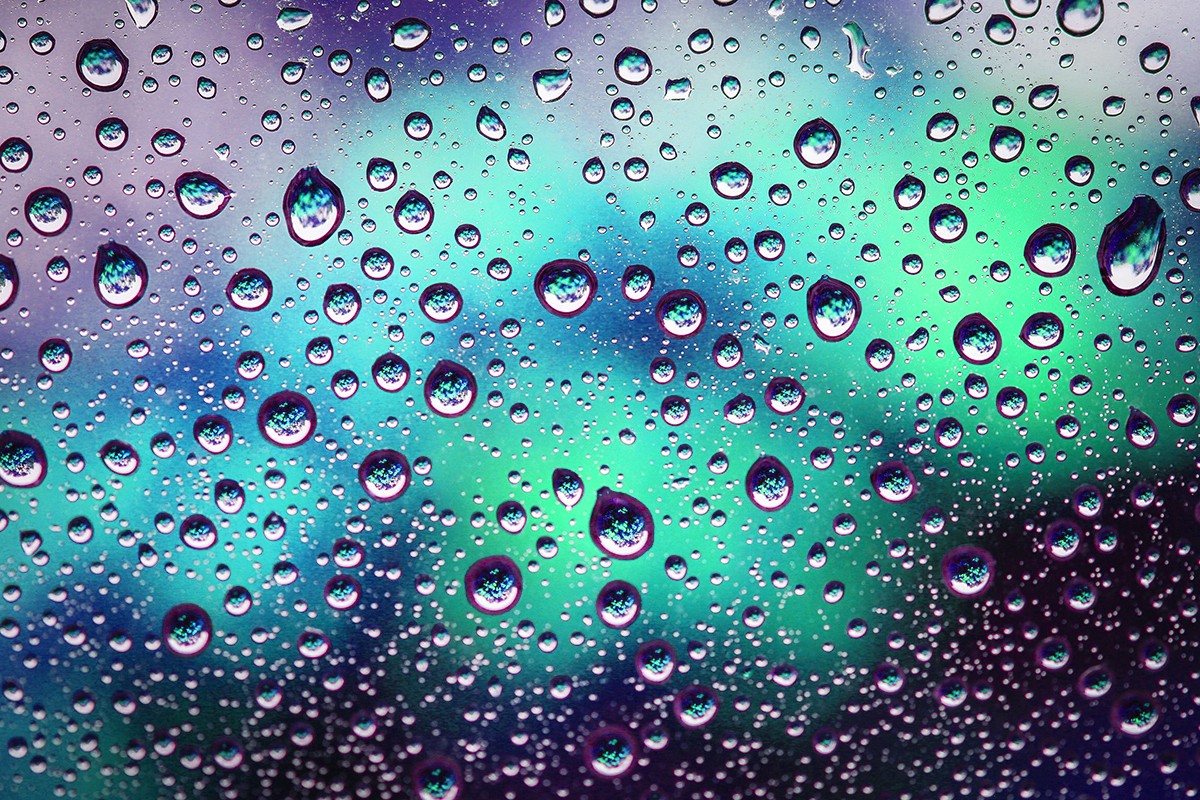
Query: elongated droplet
[[313, 207], [120, 275], [489, 124], [858, 51], [568, 487], [833, 309], [201, 195], [409, 34], [1131, 247], [939, 11], [142, 12], [1140, 430], [769, 483]]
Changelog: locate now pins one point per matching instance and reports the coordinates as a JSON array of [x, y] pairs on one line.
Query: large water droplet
[[968, 571], [681, 313], [493, 584], [120, 275], [249, 289], [1140, 430], [610, 752], [287, 419], [313, 207], [939, 11], [731, 180], [817, 143], [201, 195], [48, 211], [384, 475], [102, 65], [633, 66], [551, 84], [409, 34], [976, 339], [769, 483], [567, 486], [1050, 250], [1080, 17], [414, 212], [893, 481], [1131, 247], [565, 287], [621, 525], [834, 309], [187, 630], [618, 604], [450, 389], [142, 12], [22, 460]]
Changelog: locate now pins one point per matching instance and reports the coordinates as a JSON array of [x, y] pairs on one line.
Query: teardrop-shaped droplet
[[201, 195], [637, 282], [769, 484], [450, 389], [384, 475], [567, 486], [377, 84], [817, 143], [313, 207], [488, 123], [1131, 247], [102, 65], [909, 192], [834, 309], [48, 211], [290, 20], [22, 460], [621, 525], [409, 34], [1043, 96], [976, 339], [142, 12], [493, 584], [1140, 430], [1050, 250], [120, 275], [187, 630], [287, 419], [1080, 17], [551, 84], [731, 180], [414, 212], [565, 287], [633, 66]]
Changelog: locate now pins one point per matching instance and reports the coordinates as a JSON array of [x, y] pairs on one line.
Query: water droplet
[[384, 475], [551, 84], [48, 211], [102, 65], [414, 212], [893, 481], [198, 532], [817, 143], [1189, 189], [947, 223], [637, 282], [493, 584], [201, 195], [313, 207], [142, 12], [287, 419], [450, 389], [633, 66], [1080, 17], [390, 372], [681, 313], [437, 779], [610, 752], [187, 630], [120, 275], [15, 154], [23, 462], [784, 395], [769, 484], [618, 604], [939, 11], [1140, 430], [696, 706], [834, 309], [1131, 247], [655, 661], [568, 487], [968, 571], [909, 192], [1042, 331], [565, 287], [1182, 409], [409, 34], [488, 123], [880, 354], [1050, 250], [1007, 143], [621, 526], [342, 592], [731, 180], [976, 339], [249, 289], [941, 126], [1154, 57]]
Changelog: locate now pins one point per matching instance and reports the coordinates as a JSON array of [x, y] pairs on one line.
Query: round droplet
[[120, 275], [287, 419], [48, 211], [941, 126], [1079, 170], [893, 481], [1042, 331], [437, 779], [618, 604], [834, 309], [381, 174], [655, 661], [696, 706], [493, 584], [249, 289], [976, 339], [681, 313], [1135, 714], [201, 195], [198, 532], [450, 389], [621, 526], [384, 475], [769, 484], [1050, 250], [968, 571], [377, 84], [731, 180], [817, 143], [1182, 409], [377, 263], [187, 630], [1007, 143], [637, 282], [112, 133], [342, 303], [102, 65], [15, 154], [1132, 246], [1095, 682], [213, 432], [727, 352], [342, 592], [1080, 17], [22, 460], [610, 752], [1154, 57], [947, 223], [313, 207], [633, 66], [414, 212], [1000, 29], [1062, 538], [880, 354], [167, 142], [784, 395], [565, 287], [511, 516], [390, 372], [441, 302]]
